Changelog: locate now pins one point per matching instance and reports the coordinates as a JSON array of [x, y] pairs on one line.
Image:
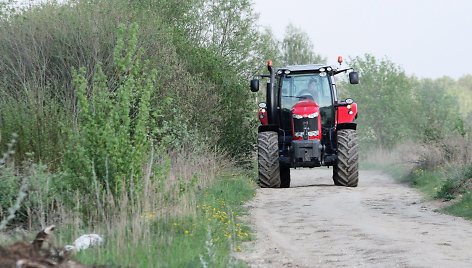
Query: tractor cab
[[306, 92]]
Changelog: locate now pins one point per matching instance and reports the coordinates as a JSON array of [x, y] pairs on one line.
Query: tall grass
[[187, 214]]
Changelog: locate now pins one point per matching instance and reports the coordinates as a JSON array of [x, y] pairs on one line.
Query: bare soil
[[381, 223]]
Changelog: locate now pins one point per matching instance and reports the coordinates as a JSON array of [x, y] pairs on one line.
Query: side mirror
[[254, 85], [353, 78]]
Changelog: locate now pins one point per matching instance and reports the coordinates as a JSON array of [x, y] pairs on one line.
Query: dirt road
[[379, 224]]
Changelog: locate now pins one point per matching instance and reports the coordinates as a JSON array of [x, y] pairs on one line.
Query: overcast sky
[[428, 38]]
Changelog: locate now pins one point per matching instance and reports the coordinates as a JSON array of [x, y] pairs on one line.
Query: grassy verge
[[453, 183], [205, 239], [463, 208]]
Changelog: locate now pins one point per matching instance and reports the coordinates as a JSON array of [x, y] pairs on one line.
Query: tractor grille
[[298, 124]]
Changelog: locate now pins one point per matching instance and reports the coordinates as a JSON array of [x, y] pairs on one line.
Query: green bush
[[112, 136]]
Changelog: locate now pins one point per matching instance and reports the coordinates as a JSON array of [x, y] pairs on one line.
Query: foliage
[[460, 89], [227, 29], [437, 113], [384, 98], [111, 139], [458, 184], [230, 110], [29, 196], [8, 187], [394, 107], [39, 47], [297, 48], [271, 49], [84, 35]]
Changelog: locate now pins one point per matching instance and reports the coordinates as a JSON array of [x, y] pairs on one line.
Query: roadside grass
[[463, 208], [187, 215], [429, 182], [451, 183], [206, 238]]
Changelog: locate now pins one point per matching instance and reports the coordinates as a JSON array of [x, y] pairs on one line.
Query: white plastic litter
[[86, 241]]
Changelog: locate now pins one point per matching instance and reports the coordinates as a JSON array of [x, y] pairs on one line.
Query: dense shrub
[[112, 137], [41, 45]]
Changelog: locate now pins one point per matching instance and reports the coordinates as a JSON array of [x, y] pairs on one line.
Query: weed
[[203, 238], [463, 208]]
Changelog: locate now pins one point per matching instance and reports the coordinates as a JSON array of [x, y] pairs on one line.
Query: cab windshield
[[296, 87]]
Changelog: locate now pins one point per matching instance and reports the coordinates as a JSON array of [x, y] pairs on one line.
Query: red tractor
[[303, 124]]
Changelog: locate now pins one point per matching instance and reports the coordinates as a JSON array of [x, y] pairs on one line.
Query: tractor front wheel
[[346, 169], [268, 159]]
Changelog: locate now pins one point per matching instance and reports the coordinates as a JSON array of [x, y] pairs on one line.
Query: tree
[[297, 47], [226, 27], [268, 49], [437, 112], [385, 100], [395, 107]]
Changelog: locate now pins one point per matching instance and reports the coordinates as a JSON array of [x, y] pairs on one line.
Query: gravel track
[[380, 223]]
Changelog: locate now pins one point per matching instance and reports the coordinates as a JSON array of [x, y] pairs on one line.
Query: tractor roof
[[308, 67], [312, 67]]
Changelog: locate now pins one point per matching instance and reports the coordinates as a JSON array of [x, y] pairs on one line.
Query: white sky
[[427, 38]]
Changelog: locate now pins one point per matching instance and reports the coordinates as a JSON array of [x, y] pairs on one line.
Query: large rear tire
[[284, 177], [268, 159], [346, 169]]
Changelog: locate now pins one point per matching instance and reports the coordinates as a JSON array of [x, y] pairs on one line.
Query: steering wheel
[[306, 94]]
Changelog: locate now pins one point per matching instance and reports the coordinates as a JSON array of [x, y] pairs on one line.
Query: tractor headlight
[[299, 134], [313, 115], [297, 116]]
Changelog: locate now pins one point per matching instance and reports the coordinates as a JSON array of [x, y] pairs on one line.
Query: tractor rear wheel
[[284, 177], [268, 159], [346, 169]]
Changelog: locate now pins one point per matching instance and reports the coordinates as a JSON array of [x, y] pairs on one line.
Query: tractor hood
[[305, 108]]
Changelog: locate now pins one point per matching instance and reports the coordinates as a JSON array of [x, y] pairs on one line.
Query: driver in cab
[[311, 92]]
